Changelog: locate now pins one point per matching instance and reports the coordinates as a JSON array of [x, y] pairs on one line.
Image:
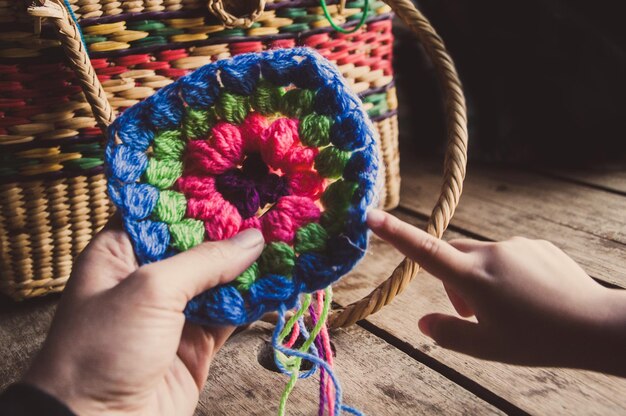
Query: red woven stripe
[[112, 70], [171, 55], [154, 65], [131, 60], [12, 121], [173, 73], [99, 63]]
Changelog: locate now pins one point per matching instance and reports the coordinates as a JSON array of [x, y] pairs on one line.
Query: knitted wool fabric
[[274, 141]]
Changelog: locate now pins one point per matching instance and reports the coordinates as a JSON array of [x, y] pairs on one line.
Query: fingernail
[[249, 238], [375, 218], [424, 325]]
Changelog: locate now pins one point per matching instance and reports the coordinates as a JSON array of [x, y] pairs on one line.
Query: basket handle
[[454, 165], [456, 120], [74, 49], [237, 13]]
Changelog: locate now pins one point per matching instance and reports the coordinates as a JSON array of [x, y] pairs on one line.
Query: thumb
[[185, 275], [455, 334]]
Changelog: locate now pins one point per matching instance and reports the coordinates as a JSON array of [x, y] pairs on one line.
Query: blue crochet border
[[130, 136]]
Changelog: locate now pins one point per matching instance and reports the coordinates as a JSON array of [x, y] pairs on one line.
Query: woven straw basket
[[45, 223]]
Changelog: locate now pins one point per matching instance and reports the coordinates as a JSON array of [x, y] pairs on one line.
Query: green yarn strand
[[334, 221], [277, 258], [331, 161], [247, 278], [168, 145], [340, 29], [311, 237], [232, 107], [338, 195], [291, 363], [314, 130], [297, 102], [163, 173], [198, 123], [294, 365], [266, 99], [171, 207], [187, 234]]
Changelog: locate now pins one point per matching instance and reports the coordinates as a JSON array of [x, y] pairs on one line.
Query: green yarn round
[[170, 207], [163, 173], [266, 98], [277, 258], [168, 144], [334, 221], [297, 102], [314, 130], [331, 161], [338, 195], [186, 234], [198, 123], [232, 107], [311, 237], [247, 278]]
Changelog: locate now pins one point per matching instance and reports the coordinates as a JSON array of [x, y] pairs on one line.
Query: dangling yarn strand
[[293, 363], [322, 343], [365, 11], [300, 354]]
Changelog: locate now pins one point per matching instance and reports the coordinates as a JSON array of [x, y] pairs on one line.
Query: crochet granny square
[[274, 141]]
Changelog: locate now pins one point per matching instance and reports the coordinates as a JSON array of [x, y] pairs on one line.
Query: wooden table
[[387, 366]]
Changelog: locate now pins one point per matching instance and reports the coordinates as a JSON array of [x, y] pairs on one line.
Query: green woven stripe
[[146, 25], [294, 28]]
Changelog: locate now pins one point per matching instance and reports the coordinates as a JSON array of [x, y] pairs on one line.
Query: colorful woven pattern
[[51, 130], [48, 136], [274, 141]]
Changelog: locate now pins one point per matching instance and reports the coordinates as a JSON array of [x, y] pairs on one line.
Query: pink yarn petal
[[277, 226], [306, 183], [290, 213], [196, 186], [278, 139], [223, 226], [221, 218], [252, 130], [299, 158], [252, 222], [228, 142], [202, 158], [301, 210]]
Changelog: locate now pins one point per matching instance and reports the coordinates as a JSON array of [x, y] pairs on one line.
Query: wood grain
[[611, 178], [376, 378], [500, 203], [533, 390]]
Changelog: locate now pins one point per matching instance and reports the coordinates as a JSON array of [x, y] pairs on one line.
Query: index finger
[[434, 255]]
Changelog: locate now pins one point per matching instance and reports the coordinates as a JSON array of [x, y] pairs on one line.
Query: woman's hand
[[533, 304], [119, 344]]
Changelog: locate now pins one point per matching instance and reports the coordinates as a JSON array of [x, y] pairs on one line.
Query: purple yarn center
[[252, 186]]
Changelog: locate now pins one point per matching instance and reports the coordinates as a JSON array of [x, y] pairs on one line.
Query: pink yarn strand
[[295, 332], [328, 353]]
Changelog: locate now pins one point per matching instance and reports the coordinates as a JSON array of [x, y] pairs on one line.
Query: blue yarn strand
[[316, 360], [68, 6]]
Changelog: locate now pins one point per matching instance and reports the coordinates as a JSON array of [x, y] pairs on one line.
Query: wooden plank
[[611, 177], [533, 390], [376, 378], [500, 203]]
